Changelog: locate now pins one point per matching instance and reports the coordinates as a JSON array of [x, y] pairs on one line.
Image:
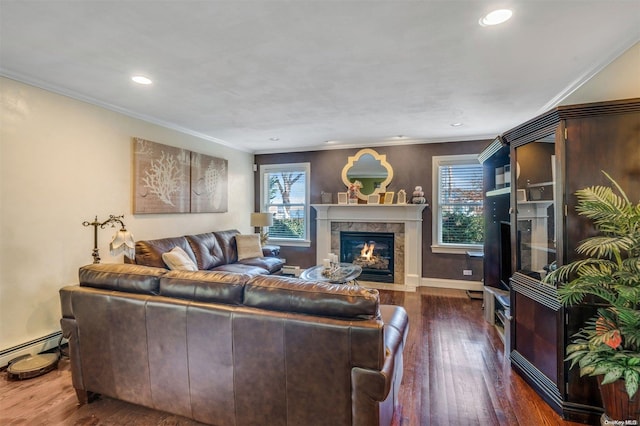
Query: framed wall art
[[175, 180], [208, 184], [161, 178]]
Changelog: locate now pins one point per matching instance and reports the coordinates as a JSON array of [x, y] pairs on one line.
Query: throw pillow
[[177, 259], [248, 246]]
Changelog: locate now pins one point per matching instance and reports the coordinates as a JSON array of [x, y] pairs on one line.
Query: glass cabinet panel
[[535, 212]]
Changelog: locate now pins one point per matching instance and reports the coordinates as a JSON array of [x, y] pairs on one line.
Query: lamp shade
[[261, 219], [123, 242]]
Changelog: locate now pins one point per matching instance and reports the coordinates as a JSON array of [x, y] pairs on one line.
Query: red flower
[[615, 340], [605, 326]]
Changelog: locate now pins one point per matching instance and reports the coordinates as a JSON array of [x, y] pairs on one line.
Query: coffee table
[[345, 274]]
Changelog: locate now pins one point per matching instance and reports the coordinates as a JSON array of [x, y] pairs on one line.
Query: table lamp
[[262, 220]]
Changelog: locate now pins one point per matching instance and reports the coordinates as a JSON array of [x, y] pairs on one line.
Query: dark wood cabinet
[[556, 154], [496, 211], [497, 245]]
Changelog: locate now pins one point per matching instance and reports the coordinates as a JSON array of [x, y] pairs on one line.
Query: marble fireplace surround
[[404, 220]]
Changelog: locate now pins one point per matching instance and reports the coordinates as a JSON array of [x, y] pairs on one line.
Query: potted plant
[[609, 343]]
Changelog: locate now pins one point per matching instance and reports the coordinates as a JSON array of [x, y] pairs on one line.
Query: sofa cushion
[[178, 259], [227, 241], [322, 299], [204, 286], [271, 264], [122, 277], [248, 246], [207, 250], [240, 268], [149, 252]]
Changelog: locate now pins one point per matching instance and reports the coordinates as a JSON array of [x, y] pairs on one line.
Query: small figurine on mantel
[[402, 197], [354, 188], [418, 196]]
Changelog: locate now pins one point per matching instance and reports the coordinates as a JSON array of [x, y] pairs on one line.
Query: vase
[[617, 404]]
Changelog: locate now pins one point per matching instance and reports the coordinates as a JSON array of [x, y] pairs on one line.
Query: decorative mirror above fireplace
[[371, 170]]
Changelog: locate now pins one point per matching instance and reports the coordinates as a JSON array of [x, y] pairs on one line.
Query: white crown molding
[[588, 74], [77, 96], [369, 144]]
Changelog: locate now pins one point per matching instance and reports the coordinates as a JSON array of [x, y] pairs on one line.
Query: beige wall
[[63, 162]]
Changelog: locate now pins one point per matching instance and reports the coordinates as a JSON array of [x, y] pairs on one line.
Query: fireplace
[[373, 251]]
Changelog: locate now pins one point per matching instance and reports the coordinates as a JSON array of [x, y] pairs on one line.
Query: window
[[457, 204], [285, 194]]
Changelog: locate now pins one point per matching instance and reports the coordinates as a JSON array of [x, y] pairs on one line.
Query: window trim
[[289, 167], [436, 232]]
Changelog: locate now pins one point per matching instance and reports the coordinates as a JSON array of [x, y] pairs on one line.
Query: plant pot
[[617, 404]]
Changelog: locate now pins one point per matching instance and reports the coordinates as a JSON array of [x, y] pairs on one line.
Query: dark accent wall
[[411, 167]]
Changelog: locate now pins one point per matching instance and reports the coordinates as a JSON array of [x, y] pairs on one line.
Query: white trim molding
[[32, 347], [452, 284]]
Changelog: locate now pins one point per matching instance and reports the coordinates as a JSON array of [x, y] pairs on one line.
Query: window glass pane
[[460, 204], [288, 222], [286, 199]]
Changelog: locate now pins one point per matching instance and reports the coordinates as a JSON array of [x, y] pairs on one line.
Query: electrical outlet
[[467, 272]]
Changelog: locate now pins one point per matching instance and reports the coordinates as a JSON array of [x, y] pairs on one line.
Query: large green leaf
[[631, 379], [613, 374]]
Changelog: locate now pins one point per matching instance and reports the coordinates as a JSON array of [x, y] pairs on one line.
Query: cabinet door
[[535, 207]]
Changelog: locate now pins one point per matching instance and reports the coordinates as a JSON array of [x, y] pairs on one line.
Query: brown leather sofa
[[215, 251], [236, 349]]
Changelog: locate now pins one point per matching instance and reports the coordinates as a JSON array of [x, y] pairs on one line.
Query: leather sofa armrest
[[270, 250], [371, 387]]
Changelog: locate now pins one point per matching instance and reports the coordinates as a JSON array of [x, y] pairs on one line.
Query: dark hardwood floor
[[455, 374]]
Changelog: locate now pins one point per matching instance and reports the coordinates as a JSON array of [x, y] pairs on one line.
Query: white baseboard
[[454, 284], [32, 347]]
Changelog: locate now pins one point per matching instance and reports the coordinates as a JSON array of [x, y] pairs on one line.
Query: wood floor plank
[[455, 373]]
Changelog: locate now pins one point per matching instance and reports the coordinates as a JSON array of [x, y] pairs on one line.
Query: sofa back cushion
[[207, 250], [149, 252], [204, 286], [122, 277], [227, 241], [313, 298]]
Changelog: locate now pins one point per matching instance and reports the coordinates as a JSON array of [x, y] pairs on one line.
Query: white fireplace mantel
[[408, 214]]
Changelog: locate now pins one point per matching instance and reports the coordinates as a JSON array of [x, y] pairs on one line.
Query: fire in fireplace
[[372, 251]]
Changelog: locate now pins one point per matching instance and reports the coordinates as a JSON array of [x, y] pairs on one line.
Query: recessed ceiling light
[[496, 17], [456, 124], [140, 79], [331, 142], [274, 139]]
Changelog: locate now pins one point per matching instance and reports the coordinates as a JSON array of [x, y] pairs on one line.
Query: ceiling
[[355, 73]]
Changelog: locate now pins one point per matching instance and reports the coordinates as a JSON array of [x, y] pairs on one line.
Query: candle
[[326, 263]]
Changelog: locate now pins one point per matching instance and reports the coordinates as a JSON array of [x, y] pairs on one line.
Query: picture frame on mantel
[[343, 198], [373, 199], [388, 197]]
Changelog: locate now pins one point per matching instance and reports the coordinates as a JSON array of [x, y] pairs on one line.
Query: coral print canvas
[[161, 178], [208, 184]]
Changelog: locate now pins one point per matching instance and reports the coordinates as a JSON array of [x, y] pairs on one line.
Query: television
[[505, 254]]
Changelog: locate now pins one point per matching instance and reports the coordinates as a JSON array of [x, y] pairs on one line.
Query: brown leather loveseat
[[226, 348], [215, 251]]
